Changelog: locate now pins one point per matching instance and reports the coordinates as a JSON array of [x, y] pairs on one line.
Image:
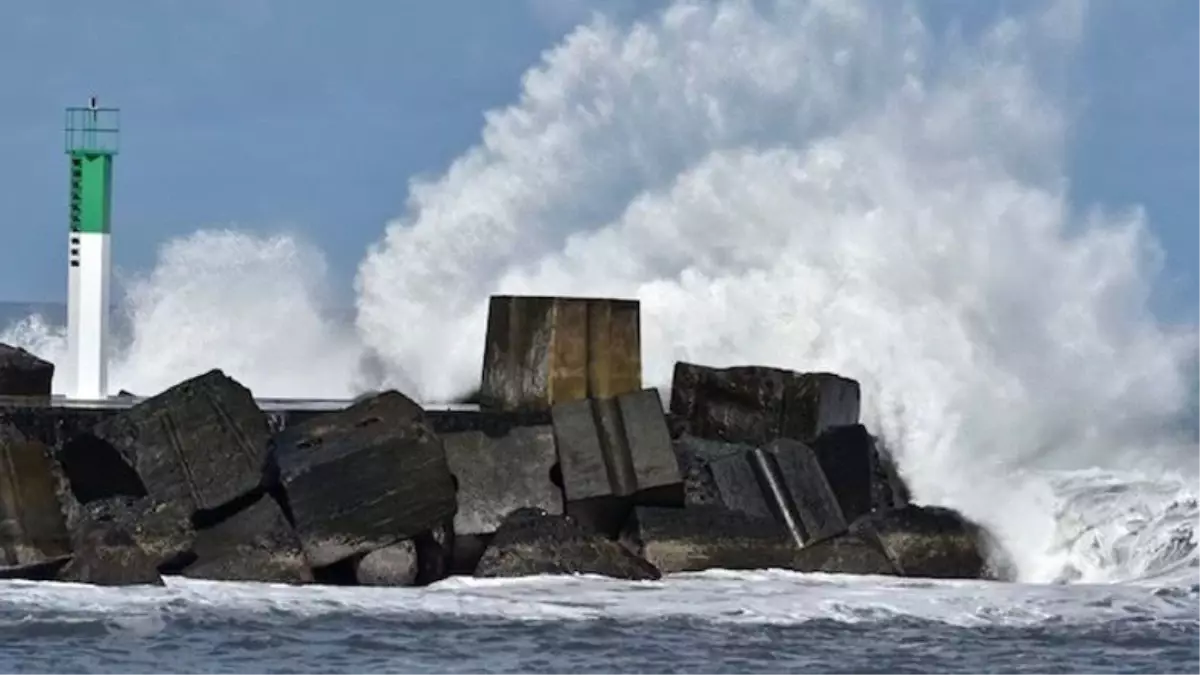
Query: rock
[[541, 351], [394, 565], [707, 537], [782, 481], [928, 541], [23, 374], [615, 453], [362, 478], [32, 524], [202, 443], [125, 541], [844, 554], [254, 544], [496, 476], [45, 570], [756, 405], [857, 472], [530, 542]]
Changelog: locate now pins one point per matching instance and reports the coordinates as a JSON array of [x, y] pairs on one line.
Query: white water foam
[[763, 597], [807, 184]]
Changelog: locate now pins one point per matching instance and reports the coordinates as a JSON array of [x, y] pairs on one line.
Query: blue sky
[[314, 115]]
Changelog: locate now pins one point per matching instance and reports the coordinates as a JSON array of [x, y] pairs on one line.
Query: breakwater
[[567, 465]]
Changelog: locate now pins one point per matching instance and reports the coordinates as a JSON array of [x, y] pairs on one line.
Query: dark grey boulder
[[707, 537], [202, 443], [530, 542], [32, 523], [756, 405], [254, 544], [363, 478], [23, 374], [929, 541], [393, 565], [126, 541]]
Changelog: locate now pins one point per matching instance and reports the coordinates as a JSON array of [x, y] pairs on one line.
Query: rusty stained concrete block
[[543, 350]]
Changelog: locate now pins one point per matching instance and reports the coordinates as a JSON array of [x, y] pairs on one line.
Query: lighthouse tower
[[91, 144]]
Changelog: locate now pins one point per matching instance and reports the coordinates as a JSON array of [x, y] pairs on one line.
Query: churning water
[[806, 184]]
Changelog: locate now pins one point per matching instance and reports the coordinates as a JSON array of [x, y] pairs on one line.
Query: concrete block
[[498, 475], [756, 405], [365, 477], [782, 481], [32, 524], [706, 537], [615, 453], [254, 544], [201, 443], [541, 351]]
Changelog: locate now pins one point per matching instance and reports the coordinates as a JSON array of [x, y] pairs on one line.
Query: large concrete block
[[863, 479], [756, 405], [498, 475], [615, 453], [202, 443], [365, 477], [32, 525], [782, 481], [706, 537], [23, 374], [546, 350]]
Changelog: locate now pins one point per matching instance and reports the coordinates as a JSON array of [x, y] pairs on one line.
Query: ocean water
[[796, 183], [717, 621]]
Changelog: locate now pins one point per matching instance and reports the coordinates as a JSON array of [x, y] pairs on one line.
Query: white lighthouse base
[[87, 315]]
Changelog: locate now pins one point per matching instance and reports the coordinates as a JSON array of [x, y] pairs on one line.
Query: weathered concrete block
[[394, 565], [124, 541], [202, 443], [254, 544], [707, 537], [365, 477], [545, 350], [929, 541], [530, 542], [755, 404], [615, 453], [795, 490], [496, 476], [32, 524], [782, 481], [23, 374], [862, 479]]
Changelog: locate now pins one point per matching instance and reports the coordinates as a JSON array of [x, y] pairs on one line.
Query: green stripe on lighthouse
[[91, 142], [91, 193]]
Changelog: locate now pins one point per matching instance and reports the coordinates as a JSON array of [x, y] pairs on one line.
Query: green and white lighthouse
[[91, 143]]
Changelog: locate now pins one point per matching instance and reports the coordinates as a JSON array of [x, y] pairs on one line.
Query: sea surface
[[716, 621]]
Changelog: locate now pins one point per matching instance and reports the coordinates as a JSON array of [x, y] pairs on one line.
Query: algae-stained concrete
[[543, 350]]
